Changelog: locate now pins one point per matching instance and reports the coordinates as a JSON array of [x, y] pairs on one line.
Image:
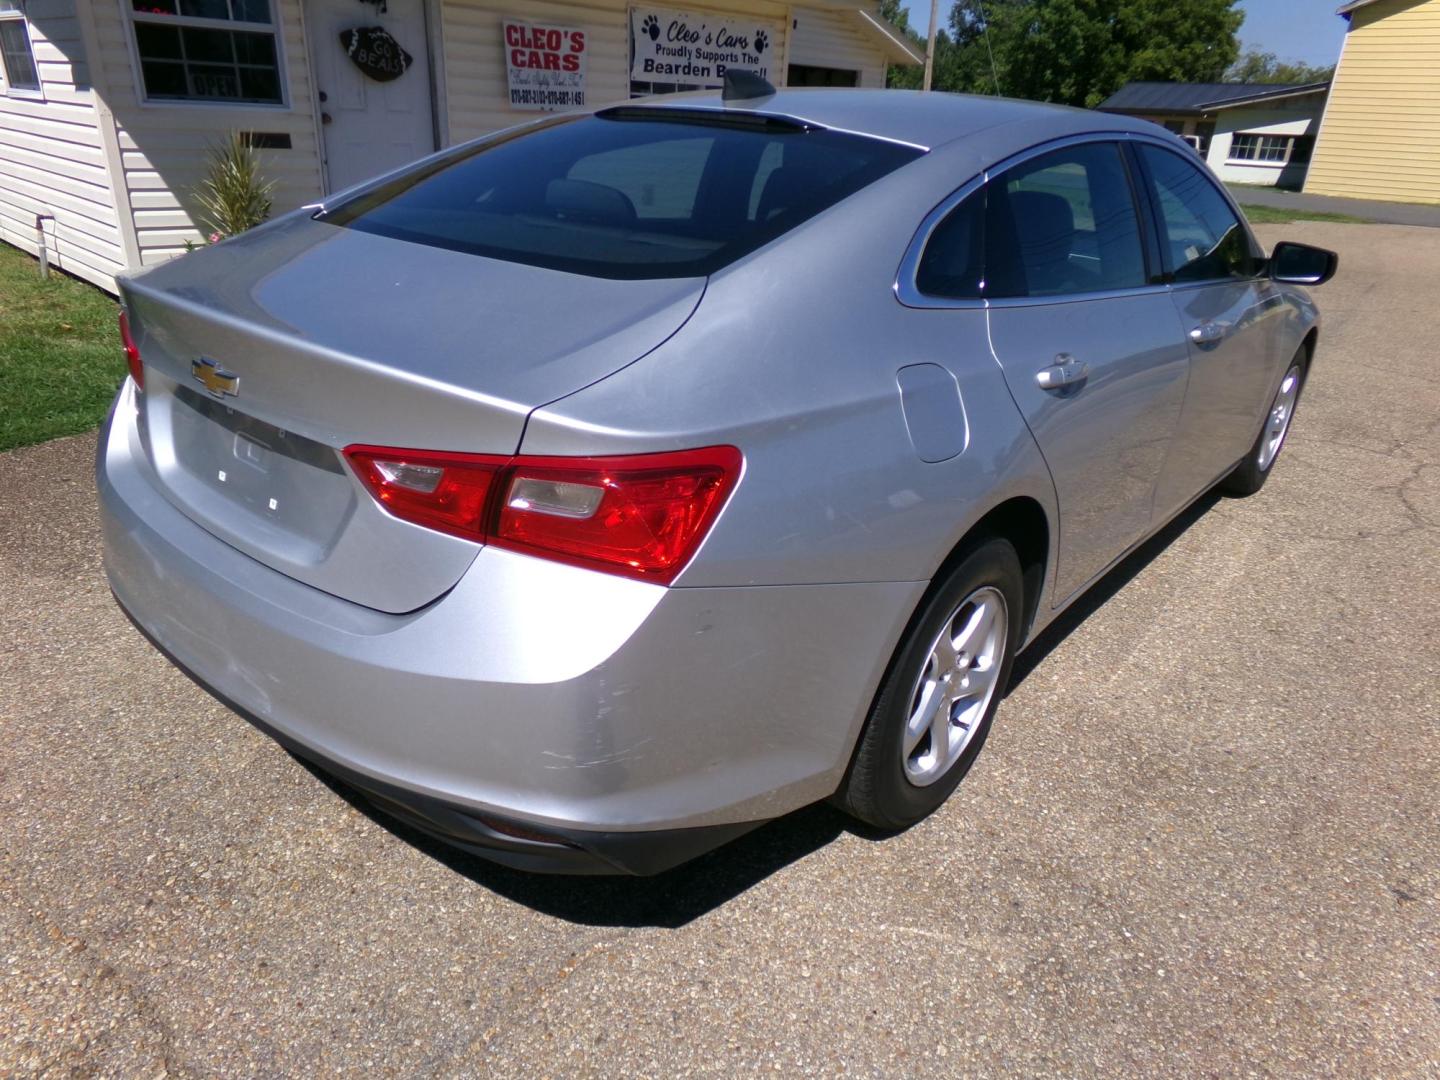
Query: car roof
[[919, 118]]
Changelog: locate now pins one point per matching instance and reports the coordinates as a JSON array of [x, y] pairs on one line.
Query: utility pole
[[930, 45]]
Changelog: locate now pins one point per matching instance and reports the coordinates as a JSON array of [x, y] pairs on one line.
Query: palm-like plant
[[233, 196]]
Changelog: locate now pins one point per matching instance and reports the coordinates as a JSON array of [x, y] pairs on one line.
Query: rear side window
[[953, 266], [640, 193], [1058, 224], [1202, 238]]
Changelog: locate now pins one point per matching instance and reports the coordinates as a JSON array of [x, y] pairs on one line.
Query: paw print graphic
[[762, 40], [651, 26]]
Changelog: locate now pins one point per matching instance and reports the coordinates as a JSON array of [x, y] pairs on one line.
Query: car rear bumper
[[542, 715], [509, 842]]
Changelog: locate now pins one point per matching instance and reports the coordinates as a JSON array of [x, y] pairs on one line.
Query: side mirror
[[1301, 264]]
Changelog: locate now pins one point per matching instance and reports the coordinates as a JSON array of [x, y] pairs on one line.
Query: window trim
[[907, 280], [1157, 225], [1155, 272], [275, 27], [906, 286], [37, 93], [1267, 163]]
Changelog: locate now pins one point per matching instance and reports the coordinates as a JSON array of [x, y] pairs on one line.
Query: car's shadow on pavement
[[678, 896], [1100, 593], [671, 899]]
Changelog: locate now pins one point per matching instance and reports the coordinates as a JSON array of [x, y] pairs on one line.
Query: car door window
[[1063, 222], [1202, 238]]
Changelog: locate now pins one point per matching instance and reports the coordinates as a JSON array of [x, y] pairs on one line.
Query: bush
[[233, 196]]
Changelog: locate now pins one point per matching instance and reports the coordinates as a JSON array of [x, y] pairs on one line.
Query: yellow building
[[1380, 138]]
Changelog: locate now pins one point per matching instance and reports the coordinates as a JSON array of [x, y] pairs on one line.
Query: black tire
[[876, 790], [1250, 475]]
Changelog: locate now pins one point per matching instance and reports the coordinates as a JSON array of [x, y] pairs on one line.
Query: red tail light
[[132, 353], [448, 492], [643, 516]]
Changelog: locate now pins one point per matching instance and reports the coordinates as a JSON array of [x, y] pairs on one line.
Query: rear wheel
[[1250, 475], [939, 698]]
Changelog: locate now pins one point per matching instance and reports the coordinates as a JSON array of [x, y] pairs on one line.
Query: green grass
[[1274, 215], [60, 358]]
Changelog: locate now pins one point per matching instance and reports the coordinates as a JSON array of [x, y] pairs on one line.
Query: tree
[[907, 76], [1265, 67], [898, 77], [894, 14], [977, 49], [1079, 52]]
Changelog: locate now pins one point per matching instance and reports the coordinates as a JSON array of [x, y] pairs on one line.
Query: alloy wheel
[[955, 687], [1278, 422]]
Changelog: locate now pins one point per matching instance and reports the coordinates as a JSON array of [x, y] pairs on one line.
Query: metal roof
[[1167, 97]]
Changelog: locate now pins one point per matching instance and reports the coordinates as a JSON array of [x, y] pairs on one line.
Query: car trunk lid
[[267, 355]]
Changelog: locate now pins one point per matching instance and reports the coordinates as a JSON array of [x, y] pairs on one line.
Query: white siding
[[476, 94], [1301, 118], [52, 158], [117, 174], [830, 38], [162, 147], [476, 97]]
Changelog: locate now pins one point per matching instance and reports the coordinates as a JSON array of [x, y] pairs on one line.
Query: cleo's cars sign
[[678, 47], [545, 66]]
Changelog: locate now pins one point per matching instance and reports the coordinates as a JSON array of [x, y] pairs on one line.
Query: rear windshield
[[625, 194]]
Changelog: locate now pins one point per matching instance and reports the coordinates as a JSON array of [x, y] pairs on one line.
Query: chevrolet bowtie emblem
[[214, 378]]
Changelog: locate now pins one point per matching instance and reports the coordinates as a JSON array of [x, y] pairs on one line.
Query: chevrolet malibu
[[594, 492]]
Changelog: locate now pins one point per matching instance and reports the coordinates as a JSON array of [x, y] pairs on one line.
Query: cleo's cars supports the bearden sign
[[678, 47], [545, 66]]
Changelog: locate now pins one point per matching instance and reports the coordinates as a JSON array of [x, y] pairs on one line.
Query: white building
[[108, 106], [1248, 133]]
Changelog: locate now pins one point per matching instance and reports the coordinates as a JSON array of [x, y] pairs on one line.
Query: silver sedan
[[594, 492]]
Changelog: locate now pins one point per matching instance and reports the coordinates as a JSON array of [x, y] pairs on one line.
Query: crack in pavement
[[101, 970]]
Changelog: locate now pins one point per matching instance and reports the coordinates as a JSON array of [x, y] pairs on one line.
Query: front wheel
[[939, 697], [1250, 475]]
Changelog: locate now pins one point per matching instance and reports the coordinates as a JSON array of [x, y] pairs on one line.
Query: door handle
[[1208, 333], [1065, 372]]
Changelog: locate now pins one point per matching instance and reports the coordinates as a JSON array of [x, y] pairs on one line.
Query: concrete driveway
[[1202, 840]]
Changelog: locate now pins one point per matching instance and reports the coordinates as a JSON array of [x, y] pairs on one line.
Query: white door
[[370, 126]]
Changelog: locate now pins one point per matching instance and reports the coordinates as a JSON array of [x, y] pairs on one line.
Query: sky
[[1307, 30]]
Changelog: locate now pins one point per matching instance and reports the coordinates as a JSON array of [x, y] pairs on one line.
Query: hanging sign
[[375, 52], [545, 66], [676, 47]]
